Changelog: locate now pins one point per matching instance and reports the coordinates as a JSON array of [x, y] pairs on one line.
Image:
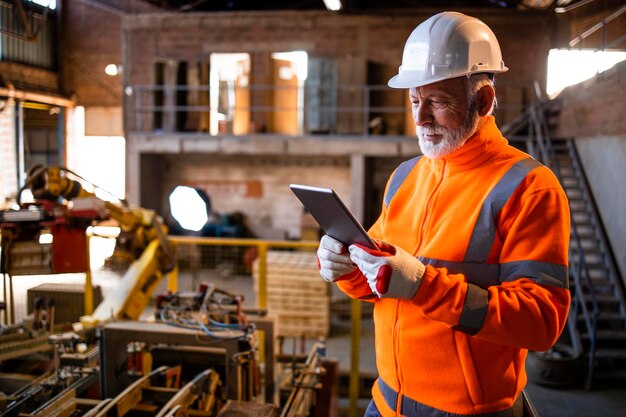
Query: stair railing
[[539, 135], [601, 235], [580, 273]]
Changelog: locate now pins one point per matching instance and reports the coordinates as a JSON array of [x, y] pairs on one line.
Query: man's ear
[[486, 96]]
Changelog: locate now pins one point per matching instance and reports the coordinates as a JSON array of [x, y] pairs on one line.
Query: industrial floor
[[607, 399]]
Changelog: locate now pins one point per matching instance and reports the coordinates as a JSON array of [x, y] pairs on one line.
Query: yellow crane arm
[[145, 244], [132, 293]]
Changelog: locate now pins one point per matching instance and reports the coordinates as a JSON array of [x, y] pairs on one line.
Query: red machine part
[[69, 248]]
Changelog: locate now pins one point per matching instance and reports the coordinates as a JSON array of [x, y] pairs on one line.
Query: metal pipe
[[262, 301], [12, 304], [61, 137], [88, 281], [572, 6], [19, 145], [597, 26], [31, 96], [6, 300]]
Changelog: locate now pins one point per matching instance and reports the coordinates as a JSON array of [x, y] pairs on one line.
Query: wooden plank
[[297, 330], [301, 316], [301, 305], [309, 282], [278, 267], [299, 291], [297, 297], [290, 297], [286, 311]]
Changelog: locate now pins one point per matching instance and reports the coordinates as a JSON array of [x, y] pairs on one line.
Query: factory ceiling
[[355, 6]]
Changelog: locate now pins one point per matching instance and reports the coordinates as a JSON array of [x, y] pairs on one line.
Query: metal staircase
[[597, 318]]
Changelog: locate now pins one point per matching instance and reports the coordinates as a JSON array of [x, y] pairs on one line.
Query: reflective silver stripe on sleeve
[[486, 275], [483, 275], [474, 310], [485, 229], [398, 178], [543, 273]]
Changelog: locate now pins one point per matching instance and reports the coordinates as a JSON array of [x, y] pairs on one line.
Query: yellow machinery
[[65, 209]]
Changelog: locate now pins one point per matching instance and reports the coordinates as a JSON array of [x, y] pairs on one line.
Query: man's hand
[[333, 260], [391, 272]]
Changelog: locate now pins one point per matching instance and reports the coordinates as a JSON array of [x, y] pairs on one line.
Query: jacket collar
[[478, 149]]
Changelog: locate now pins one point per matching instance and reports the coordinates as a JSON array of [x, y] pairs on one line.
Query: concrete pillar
[[357, 179]]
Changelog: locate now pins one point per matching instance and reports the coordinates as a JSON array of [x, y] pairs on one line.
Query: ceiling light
[[333, 5]]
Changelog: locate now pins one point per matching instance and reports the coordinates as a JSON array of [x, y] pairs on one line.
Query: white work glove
[[333, 260], [391, 272]]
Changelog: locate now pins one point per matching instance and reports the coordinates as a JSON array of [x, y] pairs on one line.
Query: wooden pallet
[[301, 324], [297, 298]]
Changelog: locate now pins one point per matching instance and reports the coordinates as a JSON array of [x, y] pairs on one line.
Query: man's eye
[[438, 104], [415, 103]]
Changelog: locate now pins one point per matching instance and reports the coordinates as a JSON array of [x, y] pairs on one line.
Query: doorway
[[229, 93], [289, 73]]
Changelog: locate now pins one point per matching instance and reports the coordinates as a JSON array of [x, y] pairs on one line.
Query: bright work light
[[188, 208], [333, 5]]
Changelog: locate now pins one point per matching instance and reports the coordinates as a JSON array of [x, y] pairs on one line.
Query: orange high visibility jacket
[[492, 227]]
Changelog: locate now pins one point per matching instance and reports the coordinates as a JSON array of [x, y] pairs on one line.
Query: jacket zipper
[[396, 351], [429, 204], [396, 327]]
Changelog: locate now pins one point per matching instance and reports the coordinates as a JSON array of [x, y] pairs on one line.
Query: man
[[471, 270]]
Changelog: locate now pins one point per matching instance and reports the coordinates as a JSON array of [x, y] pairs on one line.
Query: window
[[51, 4], [568, 67]]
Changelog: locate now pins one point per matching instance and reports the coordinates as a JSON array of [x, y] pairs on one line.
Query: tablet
[[332, 215]]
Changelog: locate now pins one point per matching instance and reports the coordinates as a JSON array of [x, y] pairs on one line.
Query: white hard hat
[[448, 45]]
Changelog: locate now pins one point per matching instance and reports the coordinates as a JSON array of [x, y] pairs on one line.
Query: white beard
[[451, 140]]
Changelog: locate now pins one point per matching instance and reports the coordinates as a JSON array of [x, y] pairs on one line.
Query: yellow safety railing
[[261, 247]]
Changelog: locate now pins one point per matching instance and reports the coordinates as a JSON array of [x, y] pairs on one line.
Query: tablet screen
[[332, 215]]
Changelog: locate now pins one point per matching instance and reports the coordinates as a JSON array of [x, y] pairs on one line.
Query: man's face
[[444, 117]]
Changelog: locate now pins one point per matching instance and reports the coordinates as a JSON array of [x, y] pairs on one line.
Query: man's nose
[[422, 114]]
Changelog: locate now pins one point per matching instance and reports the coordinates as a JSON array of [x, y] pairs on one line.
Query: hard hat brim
[[407, 79]]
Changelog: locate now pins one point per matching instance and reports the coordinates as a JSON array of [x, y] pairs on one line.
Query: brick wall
[[25, 77], [595, 107], [91, 37], [89, 41], [524, 38], [355, 42], [256, 186]]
